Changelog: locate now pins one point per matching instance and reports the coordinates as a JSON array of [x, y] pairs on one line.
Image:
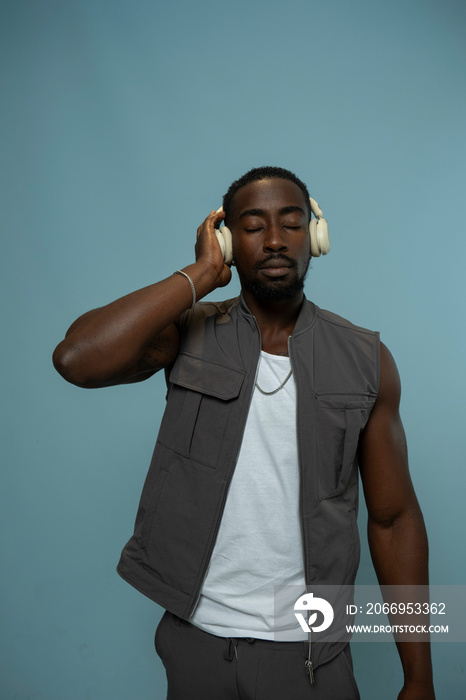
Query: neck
[[279, 315]]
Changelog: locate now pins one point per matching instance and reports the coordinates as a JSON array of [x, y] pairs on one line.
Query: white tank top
[[259, 546]]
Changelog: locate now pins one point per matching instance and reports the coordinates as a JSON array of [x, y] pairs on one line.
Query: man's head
[[268, 213]]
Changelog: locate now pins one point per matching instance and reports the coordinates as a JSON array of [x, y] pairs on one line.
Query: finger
[[219, 215], [205, 222], [216, 215], [210, 221]]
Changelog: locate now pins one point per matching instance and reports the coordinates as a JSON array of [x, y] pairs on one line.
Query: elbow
[[403, 519], [66, 361]]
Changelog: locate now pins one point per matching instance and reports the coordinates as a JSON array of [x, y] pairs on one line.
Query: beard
[[274, 289]]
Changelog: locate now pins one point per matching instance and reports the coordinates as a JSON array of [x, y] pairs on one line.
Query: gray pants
[[201, 666]]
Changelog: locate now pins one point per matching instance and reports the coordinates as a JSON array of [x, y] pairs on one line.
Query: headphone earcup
[[226, 244], [323, 238], [320, 239], [315, 250]]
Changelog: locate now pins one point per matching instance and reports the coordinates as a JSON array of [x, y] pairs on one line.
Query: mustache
[[292, 263]]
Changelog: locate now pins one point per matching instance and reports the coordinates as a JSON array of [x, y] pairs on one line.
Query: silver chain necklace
[[275, 391]]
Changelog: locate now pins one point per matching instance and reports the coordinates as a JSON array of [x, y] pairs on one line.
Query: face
[[271, 245]]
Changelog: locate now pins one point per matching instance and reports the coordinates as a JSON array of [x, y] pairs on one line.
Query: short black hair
[[265, 172]]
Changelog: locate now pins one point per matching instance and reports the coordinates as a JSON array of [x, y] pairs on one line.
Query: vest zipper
[[199, 593], [301, 497], [308, 663]]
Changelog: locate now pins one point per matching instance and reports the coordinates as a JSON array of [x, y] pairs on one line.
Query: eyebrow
[[260, 212]]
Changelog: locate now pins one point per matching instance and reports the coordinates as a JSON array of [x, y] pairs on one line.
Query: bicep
[[383, 454]]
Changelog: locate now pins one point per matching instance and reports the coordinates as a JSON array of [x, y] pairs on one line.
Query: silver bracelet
[[180, 272]]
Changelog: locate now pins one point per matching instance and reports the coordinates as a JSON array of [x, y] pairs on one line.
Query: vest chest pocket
[[199, 404], [340, 420]]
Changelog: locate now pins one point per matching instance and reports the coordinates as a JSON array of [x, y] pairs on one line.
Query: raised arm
[[396, 532], [133, 337]]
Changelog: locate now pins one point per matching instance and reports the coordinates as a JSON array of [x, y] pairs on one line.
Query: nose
[[273, 238]]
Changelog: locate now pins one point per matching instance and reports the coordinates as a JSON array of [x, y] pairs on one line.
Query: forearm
[[400, 554], [103, 343]]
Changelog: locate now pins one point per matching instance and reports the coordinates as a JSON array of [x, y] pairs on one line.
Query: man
[[253, 483]]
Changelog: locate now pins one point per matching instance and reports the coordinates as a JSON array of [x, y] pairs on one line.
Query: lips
[[275, 271], [274, 264], [276, 267]]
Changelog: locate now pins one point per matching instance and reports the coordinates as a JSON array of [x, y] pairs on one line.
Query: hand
[[207, 248], [417, 690]]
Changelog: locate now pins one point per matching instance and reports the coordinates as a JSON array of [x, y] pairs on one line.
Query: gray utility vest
[[336, 369]]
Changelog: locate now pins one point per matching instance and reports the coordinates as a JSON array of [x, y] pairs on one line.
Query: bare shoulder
[[385, 417], [390, 384], [383, 457]]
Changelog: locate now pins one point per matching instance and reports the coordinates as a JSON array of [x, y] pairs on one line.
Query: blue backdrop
[[123, 123]]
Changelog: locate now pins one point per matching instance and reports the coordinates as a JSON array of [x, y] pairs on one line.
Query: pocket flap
[[206, 377], [345, 402]]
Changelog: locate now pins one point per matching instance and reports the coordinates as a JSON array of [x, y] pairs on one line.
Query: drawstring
[[231, 650]]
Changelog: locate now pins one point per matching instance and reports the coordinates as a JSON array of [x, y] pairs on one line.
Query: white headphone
[[318, 232]]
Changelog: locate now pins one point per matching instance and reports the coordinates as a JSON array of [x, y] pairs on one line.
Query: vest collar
[[306, 318]]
